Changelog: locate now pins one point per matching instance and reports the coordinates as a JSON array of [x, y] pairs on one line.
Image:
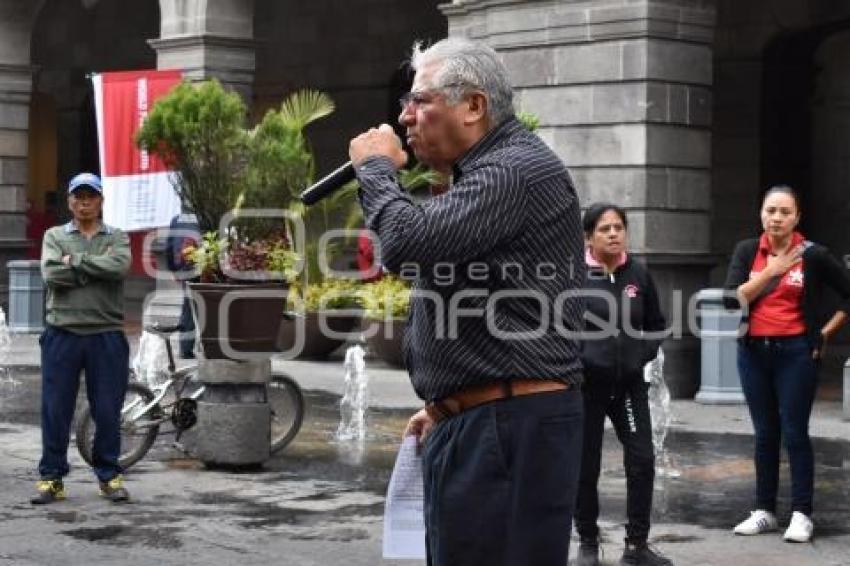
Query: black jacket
[[608, 352], [819, 268]]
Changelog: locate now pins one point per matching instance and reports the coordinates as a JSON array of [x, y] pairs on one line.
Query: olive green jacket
[[87, 296]]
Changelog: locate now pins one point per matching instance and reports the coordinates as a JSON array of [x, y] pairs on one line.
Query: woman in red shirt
[[779, 279]]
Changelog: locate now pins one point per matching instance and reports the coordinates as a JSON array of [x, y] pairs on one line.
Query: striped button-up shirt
[[497, 261]]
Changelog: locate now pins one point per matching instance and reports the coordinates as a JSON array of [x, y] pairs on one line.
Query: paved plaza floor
[[320, 502]]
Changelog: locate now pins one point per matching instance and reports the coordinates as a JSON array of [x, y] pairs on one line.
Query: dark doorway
[[804, 135]]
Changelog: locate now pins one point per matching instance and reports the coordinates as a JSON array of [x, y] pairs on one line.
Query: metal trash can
[[234, 417], [719, 379], [26, 296]]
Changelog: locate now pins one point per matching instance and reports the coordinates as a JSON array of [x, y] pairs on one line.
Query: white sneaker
[[800, 528], [760, 521]]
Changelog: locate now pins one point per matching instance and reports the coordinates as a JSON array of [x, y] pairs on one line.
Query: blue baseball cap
[[89, 180]]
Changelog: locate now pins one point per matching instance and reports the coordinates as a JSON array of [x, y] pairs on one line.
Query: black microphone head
[[328, 184]]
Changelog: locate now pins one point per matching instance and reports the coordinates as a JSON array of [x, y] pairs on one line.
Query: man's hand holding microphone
[[377, 141]]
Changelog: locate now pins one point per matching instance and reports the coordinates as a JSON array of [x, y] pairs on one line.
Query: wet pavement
[[320, 502], [716, 482], [309, 505]]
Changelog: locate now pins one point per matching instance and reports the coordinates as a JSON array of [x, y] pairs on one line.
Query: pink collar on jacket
[[593, 262]]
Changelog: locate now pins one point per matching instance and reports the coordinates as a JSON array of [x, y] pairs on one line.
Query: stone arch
[[209, 38], [70, 40], [805, 136], [226, 18], [765, 77], [16, 19], [805, 130]]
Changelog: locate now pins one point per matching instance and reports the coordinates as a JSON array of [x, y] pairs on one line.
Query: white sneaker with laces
[[800, 528], [760, 521]]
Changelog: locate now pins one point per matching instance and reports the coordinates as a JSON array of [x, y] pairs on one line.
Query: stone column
[[623, 92], [205, 39], [209, 38], [16, 18]]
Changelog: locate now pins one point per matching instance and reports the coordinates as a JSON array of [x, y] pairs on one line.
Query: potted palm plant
[[223, 170], [324, 311]]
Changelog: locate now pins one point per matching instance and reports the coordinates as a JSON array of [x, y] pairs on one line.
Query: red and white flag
[[137, 193]]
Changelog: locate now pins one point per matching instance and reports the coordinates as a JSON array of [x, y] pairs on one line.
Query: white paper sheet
[[404, 524]]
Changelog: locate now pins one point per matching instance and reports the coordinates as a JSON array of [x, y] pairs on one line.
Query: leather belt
[[480, 394], [768, 341]]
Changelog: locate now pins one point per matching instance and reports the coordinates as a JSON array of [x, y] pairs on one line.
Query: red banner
[[137, 191]]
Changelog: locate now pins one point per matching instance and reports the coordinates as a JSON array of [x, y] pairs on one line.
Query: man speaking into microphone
[[501, 429]]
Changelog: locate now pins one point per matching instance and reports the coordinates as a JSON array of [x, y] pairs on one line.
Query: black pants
[[779, 379], [104, 357], [187, 329], [500, 482], [627, 405]]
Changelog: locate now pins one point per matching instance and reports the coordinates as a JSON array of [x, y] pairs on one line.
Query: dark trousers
[[105, 359], [187, 328], [500, 482], [779, 379], [627, 405]]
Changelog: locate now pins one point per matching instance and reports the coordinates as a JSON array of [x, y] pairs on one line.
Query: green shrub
[[330, 294], [389, 297]]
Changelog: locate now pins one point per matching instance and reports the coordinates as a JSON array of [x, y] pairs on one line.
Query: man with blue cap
[[83, 263]]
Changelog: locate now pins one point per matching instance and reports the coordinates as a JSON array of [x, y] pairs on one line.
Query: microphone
[[328, 184]]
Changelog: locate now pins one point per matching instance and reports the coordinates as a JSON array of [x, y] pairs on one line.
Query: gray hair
[[464, 65]]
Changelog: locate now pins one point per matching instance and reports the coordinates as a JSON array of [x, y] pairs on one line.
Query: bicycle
[[144, 411]]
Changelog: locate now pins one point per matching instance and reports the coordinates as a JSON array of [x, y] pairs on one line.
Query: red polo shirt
[[780, 312]]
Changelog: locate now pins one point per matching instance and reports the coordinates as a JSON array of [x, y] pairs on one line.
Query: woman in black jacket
[[623, 329], [779, 280]]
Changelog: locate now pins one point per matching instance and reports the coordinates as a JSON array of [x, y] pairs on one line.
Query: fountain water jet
[[351, 432], [150, 363], [662, 416]]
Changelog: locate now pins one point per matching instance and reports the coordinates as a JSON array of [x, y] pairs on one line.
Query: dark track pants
[[500, 482], [105, 359], [187, 329], [627, 405]]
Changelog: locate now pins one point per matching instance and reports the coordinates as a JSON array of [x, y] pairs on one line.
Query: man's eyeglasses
[[417, 97]]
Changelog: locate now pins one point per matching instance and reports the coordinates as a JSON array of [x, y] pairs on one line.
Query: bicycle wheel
[[137, 431], [287, 407]]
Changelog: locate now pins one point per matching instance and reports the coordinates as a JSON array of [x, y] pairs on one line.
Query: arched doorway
[[805, 142], [71, 40]]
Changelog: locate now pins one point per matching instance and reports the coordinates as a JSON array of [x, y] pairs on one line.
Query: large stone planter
[[234, 321], [234, 418], [306, 335], [384, 339]]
